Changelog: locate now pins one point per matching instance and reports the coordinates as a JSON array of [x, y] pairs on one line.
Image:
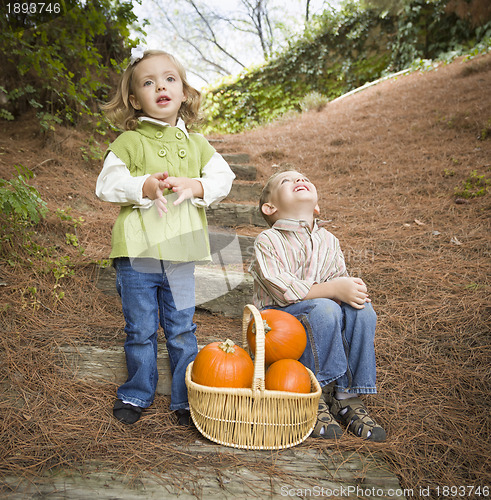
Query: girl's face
[[158, 89]]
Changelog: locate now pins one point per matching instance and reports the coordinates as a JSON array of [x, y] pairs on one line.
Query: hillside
[[387, 162]]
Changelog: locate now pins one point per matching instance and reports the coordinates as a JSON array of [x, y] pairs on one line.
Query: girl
[[163, 177]]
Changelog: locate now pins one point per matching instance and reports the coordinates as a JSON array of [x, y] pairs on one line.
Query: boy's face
[[292, 196], [158, 89]]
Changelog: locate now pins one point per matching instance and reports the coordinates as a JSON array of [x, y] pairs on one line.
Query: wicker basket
[[256, 418]]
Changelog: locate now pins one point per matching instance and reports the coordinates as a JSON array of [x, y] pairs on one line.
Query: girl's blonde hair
[[120, 111]]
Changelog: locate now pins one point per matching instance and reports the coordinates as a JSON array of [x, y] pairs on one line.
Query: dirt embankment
[[387, 163]]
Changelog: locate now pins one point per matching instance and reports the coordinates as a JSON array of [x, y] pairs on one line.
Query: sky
[[291, 12]]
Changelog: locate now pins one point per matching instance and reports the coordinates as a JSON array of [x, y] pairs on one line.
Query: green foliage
[[341, 51], [20, 245], [424, 30], [485, 131], [94, 151], [61, 66], [20, 200], [61, 268], [475, 185], [327, 60], [58, 68], [65, 215], [71, 238]]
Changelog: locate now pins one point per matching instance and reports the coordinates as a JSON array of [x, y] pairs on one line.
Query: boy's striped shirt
[[290, 258]]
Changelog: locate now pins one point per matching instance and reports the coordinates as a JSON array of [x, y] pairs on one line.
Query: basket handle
[[249, 309]]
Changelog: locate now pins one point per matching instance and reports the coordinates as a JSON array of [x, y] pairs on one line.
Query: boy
[[299, 268]]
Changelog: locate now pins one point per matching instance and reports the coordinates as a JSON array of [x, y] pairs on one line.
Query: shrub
[[313, 101], [21, 201], [61, 68]]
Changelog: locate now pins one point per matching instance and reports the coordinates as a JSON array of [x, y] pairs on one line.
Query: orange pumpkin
[[287, 375], [285, 336], [223, 364]]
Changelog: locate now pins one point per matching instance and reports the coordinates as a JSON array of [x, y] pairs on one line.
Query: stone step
[[222, 291], [298, 472], [234, 214], [216, 143], [245, 191], [228, 247], [244, 172], [218, 289], [237, 158], [240, 165]]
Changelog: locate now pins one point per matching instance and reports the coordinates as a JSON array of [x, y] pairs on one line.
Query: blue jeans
[[340, 343], [151, 295]]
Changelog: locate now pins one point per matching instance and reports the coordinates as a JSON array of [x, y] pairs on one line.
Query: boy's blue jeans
[[157, 293], [340, 343]]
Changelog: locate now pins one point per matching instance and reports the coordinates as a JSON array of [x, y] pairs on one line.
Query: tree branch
[[213, 38]]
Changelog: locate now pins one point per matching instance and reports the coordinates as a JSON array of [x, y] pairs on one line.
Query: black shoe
[[126, 413], [184, 417]]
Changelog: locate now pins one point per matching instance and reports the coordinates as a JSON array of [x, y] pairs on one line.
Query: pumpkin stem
[[227, 346], [267, 328]]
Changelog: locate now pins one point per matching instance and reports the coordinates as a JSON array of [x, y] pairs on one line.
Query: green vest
[[181, 234]]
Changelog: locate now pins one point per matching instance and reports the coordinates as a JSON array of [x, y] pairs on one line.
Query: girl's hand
[[153, 188], [185, 187]]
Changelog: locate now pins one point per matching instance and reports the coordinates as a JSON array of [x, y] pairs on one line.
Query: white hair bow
[[136, 54]]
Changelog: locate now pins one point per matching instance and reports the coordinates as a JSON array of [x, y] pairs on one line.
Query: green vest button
[[162, 153], [159, 134], [179, 134], [182, 153]]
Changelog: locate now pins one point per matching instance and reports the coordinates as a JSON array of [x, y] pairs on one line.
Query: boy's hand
[[352, 291], [186, 188], [153, 189]]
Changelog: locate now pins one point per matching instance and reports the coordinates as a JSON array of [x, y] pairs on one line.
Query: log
[[108, 365], [295, 473]]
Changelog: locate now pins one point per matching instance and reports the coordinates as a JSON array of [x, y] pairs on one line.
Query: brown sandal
[[352, 413], [326, 426]]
